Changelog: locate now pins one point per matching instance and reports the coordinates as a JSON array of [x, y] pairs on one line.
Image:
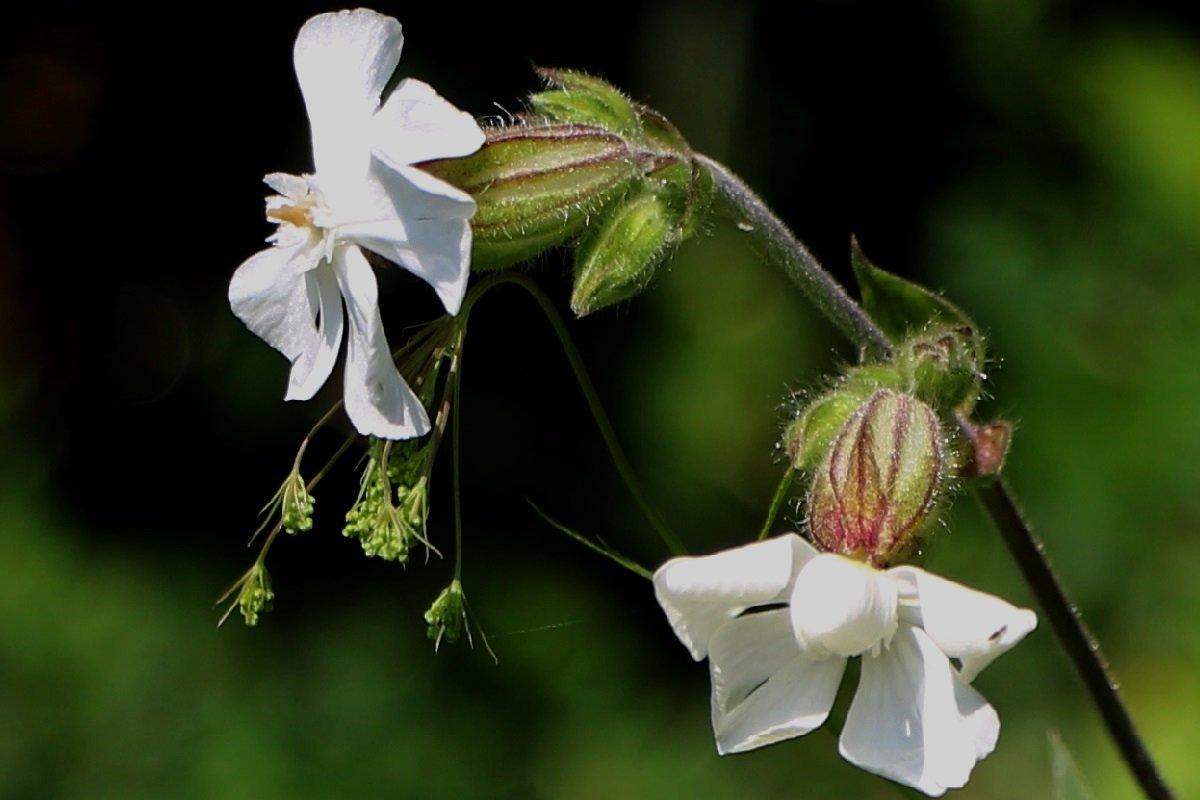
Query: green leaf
[[899, 306]]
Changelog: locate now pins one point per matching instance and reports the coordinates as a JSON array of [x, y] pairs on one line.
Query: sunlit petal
[[343, 61], [915, 720], [701, 593], [417, 124], [425, 232], [378, 400], [282, 299], [764, 687], [971, 626]]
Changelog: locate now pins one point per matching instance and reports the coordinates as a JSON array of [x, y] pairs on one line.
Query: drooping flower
[[364, 193], [778, 620]]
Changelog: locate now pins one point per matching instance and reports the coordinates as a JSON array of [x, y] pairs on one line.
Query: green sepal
[[809, 437], [940, 351], [580, 99], [537, 187], [617, 259]]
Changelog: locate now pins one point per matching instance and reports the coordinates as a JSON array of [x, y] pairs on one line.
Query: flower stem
[[998, 502], [785, 250], [1082, 648], [615, 452]]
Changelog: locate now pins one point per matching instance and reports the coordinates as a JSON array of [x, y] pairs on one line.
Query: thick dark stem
[[1083, 651], [1077, 641]]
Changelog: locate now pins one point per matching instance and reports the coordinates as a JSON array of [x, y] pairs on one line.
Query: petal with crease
[[915, 720], [765, 688], [426, 233], [966, 624], [378, 400], [343, 61], [293, 309], [417, 124], [701, 593]]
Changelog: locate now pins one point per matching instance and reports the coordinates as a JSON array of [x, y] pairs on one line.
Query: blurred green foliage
[[1037, 162]]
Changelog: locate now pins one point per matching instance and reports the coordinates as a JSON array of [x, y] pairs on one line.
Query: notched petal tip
[[700, 593]]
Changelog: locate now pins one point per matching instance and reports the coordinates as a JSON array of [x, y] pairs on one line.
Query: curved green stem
[[997, 500], [781, 492], [615, 452]]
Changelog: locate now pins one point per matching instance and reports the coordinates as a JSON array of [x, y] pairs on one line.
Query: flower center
[[298, 215], [843, 607]]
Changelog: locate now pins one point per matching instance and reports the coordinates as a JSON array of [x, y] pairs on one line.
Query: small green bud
[[808, 438], [296, 504], [447, 617], [941, 366], [580, 99], [874, 493], [388, 529], [536, 187], [256, 596], [617, 259]]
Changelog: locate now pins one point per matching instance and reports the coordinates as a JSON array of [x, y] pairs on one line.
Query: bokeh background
[[1038, 161]]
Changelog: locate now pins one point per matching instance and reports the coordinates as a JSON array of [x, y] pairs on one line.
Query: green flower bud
[[942, 367], [536, 187], [447, 617], [808, 438], [388, 529], [617, 259], [876, 489], [256, 596], [580, 99]]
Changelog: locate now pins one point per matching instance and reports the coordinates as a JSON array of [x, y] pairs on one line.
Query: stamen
[[300, 216]]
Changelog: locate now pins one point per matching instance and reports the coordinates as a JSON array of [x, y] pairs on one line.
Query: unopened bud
[[579, 99], [256, 595], [809, 437], [536, 187], [447, 617], [617, 259], [875, 491], [942, 365]]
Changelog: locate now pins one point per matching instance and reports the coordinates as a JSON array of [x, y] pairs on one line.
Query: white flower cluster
[[364, 193], [777, 621]]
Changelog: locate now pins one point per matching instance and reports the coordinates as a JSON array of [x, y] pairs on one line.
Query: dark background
[[1037, 161]]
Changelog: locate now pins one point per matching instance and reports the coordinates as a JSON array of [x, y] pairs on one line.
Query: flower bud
[[617, 259], [576, 98], [877, 487], [447, 617], [256, 596], [942, 365], [810, 435], [389, 528], [536, 187]]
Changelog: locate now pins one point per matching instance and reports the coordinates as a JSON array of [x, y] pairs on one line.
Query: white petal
[[417, 124], [843, 606], [378, 401], [701, 593], [343, 61], [971, 626], [425, 231], [915, 720], [765, 689], [293, 187], [295, 309]]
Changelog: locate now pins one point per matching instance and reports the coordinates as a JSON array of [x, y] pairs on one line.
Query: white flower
[[777, 621], [363, 193]]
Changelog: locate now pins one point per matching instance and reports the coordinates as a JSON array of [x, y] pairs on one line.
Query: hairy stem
[[1082, 650]]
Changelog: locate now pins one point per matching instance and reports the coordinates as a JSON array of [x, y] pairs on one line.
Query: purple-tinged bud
[[875, 492]]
